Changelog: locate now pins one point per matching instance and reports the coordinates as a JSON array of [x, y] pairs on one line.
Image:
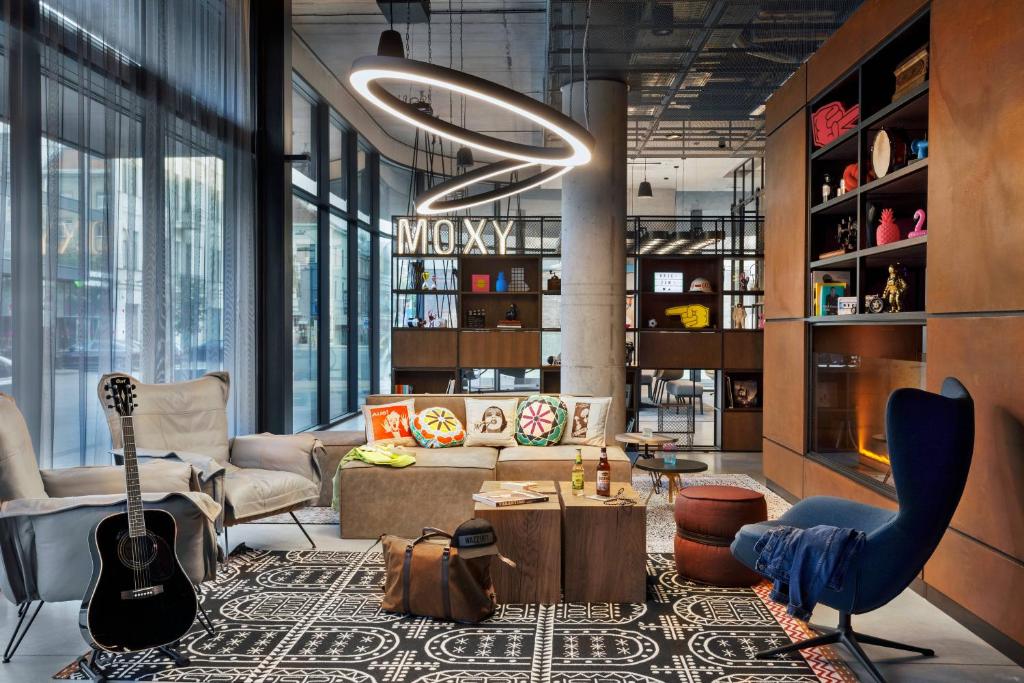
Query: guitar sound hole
[[138, 552]]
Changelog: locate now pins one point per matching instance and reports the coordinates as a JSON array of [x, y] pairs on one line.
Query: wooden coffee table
[[531, 535], [604, 546]]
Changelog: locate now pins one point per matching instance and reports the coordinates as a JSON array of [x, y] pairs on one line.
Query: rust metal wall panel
[[786, 101], [984, 354], [785, 215], [976, 161], [866, 28], [820, 480], [783, 467], [785, 385], [980, 580]]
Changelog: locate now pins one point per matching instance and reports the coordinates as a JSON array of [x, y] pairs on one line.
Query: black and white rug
[[315, 617]]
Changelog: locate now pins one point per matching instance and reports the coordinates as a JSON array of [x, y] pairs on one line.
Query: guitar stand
[[96, 663]]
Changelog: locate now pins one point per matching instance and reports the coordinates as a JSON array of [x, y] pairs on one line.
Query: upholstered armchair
[[250, 476], [47, 517]]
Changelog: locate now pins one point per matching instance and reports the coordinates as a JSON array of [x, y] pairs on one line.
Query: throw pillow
[[491, 421], [587, 420], [390, 423], [540, 421], [437, 428]]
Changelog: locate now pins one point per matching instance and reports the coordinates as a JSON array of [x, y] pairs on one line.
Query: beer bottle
[[578, 474], [604, 475]]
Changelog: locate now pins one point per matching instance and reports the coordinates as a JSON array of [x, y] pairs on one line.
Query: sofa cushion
[[491, 421], [256, 492], [453, 402], [554, 463], [438, 427], [587, 420], [390, 423], [540, 421], [464, 457]]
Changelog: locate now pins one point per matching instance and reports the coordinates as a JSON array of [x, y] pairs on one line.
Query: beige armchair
[[250, 476], [47, 517]]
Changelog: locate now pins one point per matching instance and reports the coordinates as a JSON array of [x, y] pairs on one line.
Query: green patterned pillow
[[540, 421]]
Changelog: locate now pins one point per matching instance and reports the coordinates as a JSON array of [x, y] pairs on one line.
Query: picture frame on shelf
[[745, 393]]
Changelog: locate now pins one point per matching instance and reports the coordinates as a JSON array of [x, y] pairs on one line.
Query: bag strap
[[446, 596], [407, 578], [431, 532]]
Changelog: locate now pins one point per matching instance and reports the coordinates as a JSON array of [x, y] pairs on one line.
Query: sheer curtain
[[146, 194]]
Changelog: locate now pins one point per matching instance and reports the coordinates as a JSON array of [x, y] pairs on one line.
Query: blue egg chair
[[931, 440]]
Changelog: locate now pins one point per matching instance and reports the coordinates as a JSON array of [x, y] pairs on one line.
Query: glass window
[[337, 142], [303, 140], [339, 316], [364, 179], [395, 200], [305, 314], [364, 292]]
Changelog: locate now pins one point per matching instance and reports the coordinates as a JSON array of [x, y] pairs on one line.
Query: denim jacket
[[804, 562]]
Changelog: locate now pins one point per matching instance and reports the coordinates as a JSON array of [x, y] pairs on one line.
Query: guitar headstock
[[121, 394]]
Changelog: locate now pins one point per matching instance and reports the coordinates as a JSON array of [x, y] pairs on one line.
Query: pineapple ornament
[[887, 231]]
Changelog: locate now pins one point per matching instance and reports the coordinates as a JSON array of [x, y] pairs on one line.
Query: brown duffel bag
[[430, 578]]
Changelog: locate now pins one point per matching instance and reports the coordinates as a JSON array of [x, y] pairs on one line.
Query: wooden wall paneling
[[741, 430], [898, 342], [785, 211], [981, 580], [785, 383], [743, 350], [499, 349], [976, 164], [680, 350], [786, 101], [984, 354], [783, 467], [820, 480], [871, 24], [412, 348]]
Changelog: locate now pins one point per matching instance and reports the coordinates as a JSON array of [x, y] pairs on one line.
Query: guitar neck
[[136, 520]]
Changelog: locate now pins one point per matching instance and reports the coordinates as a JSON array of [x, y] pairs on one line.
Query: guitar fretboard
[[136, 520]]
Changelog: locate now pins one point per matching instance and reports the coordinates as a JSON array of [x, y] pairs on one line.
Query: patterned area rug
[[315, 617], [660, 521]]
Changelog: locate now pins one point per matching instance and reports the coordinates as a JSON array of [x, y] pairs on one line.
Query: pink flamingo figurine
[[919, 229]]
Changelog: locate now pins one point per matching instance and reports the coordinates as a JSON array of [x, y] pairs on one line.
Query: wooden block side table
[[604, 547], [530, 535]]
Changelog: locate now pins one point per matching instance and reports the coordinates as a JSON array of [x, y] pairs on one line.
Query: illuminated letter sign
[[443, 236]]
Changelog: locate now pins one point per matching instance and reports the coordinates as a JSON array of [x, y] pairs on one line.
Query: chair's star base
[[845, 635]]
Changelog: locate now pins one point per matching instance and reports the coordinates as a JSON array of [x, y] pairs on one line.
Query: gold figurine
[[895, 286]]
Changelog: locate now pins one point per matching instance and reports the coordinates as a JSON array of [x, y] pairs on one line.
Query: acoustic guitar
[[139, 596]]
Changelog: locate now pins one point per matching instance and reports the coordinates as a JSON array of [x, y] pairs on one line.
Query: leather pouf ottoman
[[707, 519]]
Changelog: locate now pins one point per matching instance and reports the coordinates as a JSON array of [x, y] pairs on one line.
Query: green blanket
[[387, 456]]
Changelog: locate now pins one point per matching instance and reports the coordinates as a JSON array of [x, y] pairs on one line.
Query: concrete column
[[593, 252]]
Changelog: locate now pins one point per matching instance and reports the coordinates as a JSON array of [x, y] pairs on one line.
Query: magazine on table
[[503, 498]]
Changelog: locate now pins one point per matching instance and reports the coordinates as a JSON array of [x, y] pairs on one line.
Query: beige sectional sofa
[[437, 490]]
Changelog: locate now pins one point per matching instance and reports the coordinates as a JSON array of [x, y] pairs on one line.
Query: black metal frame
[[844, 635], [21, 628]]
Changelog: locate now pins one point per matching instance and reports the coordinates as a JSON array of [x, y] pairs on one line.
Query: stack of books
[[504, 498], [510, 325]]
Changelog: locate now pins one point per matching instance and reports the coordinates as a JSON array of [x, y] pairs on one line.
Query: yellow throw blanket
[[388, 456]]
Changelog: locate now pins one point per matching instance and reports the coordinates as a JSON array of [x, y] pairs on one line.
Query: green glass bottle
[[577, 474]]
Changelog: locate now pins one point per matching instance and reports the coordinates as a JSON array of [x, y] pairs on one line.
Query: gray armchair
[[47, 516], [250, 476]]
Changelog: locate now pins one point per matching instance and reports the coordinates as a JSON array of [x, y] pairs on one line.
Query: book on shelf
[[510, 325], [505, 498]]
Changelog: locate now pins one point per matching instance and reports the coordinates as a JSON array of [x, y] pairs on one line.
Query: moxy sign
[[441, 237]]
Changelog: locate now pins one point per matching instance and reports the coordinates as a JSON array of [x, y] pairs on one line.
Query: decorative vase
[[501, 284], [887, 231]]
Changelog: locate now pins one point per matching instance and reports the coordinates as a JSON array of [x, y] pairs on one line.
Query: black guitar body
[[139, 597]]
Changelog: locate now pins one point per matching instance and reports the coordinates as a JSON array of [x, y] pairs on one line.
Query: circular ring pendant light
[[578, 148]]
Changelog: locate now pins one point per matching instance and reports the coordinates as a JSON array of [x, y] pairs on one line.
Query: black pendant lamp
[[645, 190], [464, 157], [390, 44]]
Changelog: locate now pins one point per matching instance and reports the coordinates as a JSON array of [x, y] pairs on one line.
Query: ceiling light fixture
[[662, 17], [365, 77], [645, 191], [432, 202]]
